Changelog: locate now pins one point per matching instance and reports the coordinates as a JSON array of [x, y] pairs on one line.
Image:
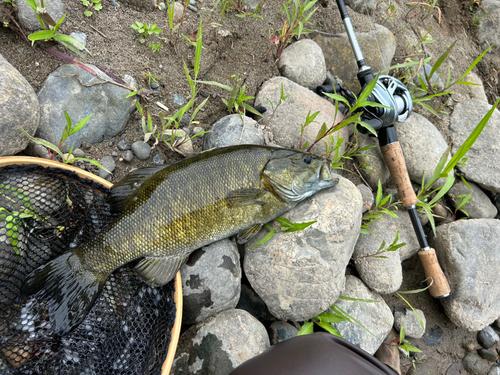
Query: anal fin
[[159, 271], [245, 235]]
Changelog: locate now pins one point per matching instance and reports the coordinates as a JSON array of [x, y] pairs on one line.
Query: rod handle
[[440, 287], [393, 156]]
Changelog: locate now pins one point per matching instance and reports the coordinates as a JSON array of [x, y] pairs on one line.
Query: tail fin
[[68, 288]]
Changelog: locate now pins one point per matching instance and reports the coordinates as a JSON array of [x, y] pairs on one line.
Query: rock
[[198, 130], [385, 353], [362, 6], [252, 303], [79, 37], [154, 85], [61, 92], [340, 59], [122, 145], [375, 317], [487, 337], [456, 368], [27, 16], [281, 331], [413, 328], [479, 207], [78, 153], [128, 156], [40, 151], [284, 127], [487, 30], [109, 163], [440, 213], [435, 80], [474, 364], [434, 336], [300, 274], [158, 160], [494, 370], [303, 62], [131, 82], [211, 281], [476, 91], [423, 145], [367, 196], [429, 366], [141, 150], [251, 5], [220, 344], [488, 355], [141, 5], [384, 275], [481, 166], [179, 140], [19, 109], [178, 11], [234, 130], [376, 169], [467, 250], [178, 100]]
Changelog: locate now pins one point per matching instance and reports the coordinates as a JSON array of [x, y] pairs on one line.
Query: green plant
[[297, 19], [403, 345], [238, 6], [151, 77], [391, 13], [284, 225], [383, 249], [67, 132], [50, 28], [156, 47], [95, 4], [145, 30], [381, 207], [431, 5]]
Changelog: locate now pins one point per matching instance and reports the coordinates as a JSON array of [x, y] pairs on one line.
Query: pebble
[[487, 337], [456, 368], [128, 156], [178, 100], [494, 370], [111, 143], [79, 37], [78, 153], [412, 325], [114, 153], [158, 160], [197, 129], [122, 145], [141, 150], [280, 331], [487, 354], [154, 85], [41, 151], [192, 8], [433, 336], [109, 163], [185, 120], [474, 364]]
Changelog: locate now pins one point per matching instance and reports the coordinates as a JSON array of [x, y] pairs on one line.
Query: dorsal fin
[[120, 192]]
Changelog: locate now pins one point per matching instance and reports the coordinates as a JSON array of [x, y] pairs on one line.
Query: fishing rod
[[391, 93]]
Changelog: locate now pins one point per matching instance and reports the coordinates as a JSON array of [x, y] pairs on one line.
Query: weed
[[383, 249], [382, 207], [391, 13], [431, 5], [238, 6], [67, 132], [50, 28], [284, 225], [294, 26], [156, 47], [145, 30], [151, 77], [91, 4]]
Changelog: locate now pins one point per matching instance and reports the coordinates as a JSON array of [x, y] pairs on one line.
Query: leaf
[[327, 327], [476, 61], [92, 161], [288, 226], [44, 143], [41, 35], [441, 59], [266, 238], [338, 98], [80, 125], [197, 54], [331, 318], [344, 298], [306, 329], [379, 194], [365, 93], [437, 171], [408, 303], [443, 190], [322, 132], [213, 83]]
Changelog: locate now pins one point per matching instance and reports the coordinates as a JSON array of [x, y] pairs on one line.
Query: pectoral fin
[[245, 197], [245, 235], [159, 271]]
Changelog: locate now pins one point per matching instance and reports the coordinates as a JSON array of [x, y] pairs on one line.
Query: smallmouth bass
[[168, 212]]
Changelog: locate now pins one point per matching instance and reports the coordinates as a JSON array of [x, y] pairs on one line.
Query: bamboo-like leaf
[[345, 298], [213, 83], [322, 131], [476, 61], [95, 162], [443, 190], [44, 143], [266, 238], [379, 194], [441, 59], [327, 327], [306, 329], [408, 303], [331, 318], [41, 35], [79, 126], [197, 54], [437, 171]]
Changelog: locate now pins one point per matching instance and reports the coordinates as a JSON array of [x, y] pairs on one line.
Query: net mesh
[[43, 213]]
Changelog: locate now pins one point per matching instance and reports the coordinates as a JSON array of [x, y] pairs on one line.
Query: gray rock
[[422, 145], [141, 5], [375, 317], [494, 370], [340, 59], [141, 150], [367, 196], [40, 151], [220, 344], [375, 169], [211, 281], [128, 156], [434, 336], [476, 91], [467, 250], [154, 85], [303, 62], [197, 130], [429, 366], [252, 303], [122, 145], [109, 163], [158, 160], [281, 331], [363, 6], [488, 30], [487, 337], [130, 81], [178, 99], [61, 92], [474, 364], [284, 127], [413, 328], [27, 16], [482, 166], [435, 80], [234, 130], [456, 368], [487, 354], [79, 37], [479, 207], [300, 274], [78, 153], [384, 275], [19, 109]]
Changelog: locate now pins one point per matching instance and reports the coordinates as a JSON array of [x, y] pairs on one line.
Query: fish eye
[[307, 159]]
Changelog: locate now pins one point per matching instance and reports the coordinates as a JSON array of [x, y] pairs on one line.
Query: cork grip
[[393, 156], [440, 286]]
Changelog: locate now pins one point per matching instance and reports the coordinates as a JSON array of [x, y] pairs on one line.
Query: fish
[[163, 214]]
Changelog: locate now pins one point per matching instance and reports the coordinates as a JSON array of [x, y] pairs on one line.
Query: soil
[[236, 46]]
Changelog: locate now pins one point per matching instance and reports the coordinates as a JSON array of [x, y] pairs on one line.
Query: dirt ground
[[236, 46]]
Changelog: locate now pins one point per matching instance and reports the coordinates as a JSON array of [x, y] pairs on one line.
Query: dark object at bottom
[[316, 354]]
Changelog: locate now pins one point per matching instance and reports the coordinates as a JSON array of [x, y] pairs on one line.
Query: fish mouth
[[325, 174]]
